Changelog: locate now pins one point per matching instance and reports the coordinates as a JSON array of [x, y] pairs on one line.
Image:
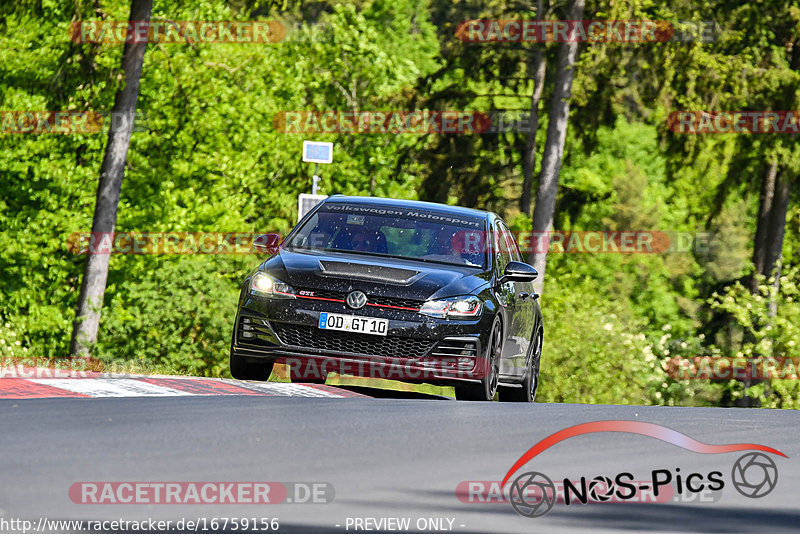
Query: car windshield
[[394, 232]]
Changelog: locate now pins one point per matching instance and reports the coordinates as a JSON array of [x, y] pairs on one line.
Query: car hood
[[389, 277]]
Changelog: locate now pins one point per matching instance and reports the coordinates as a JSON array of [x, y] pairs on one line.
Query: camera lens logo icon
[[532, 494], [601, 489], [754, 475]]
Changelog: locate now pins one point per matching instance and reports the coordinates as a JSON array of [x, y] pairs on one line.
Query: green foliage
[[178, 314], [769, 321], [595, 351], [620, 186], [10, 344], [207, 158]]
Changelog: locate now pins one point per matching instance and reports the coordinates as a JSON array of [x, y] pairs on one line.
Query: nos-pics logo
[[533, 494]]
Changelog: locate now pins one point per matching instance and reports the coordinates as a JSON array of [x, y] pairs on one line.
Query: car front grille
[[391, 301], [331, 340], [372, 300]]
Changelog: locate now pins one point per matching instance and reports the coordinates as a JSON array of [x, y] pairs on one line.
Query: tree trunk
[[529, 159], [771, 227], [777, 223], [554, 149], [762, 226], [768, 245], [777, 229], [95, 274]]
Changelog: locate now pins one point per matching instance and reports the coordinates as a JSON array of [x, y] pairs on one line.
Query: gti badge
[[356, 299]]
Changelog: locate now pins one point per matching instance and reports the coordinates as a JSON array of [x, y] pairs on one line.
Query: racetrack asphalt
[[385, 457]]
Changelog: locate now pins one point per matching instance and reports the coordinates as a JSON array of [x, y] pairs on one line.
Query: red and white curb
[[157, 386]]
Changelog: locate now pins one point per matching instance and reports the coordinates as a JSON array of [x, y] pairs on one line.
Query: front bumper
[[416, 347]]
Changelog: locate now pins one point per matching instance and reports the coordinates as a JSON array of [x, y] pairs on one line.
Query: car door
[[524, 313], [507, 296]]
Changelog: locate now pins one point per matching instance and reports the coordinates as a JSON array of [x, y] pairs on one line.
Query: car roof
[[409, 204]]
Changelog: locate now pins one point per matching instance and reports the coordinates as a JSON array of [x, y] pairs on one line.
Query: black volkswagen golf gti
[[395, 289]]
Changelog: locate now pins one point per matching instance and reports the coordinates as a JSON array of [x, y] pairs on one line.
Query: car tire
[[527, 393], [306, 372], [243, 369], [486, 389]]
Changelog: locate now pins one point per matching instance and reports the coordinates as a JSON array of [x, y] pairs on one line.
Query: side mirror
[[267, 243], [516, 271]]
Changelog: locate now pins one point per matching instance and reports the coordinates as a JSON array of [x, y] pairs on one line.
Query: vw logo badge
[[356, 300]]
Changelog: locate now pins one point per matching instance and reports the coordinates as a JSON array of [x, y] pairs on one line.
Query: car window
[[398, 232], [511, 244], [501, 248]]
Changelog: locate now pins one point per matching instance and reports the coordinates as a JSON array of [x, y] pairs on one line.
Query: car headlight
[[453, 308], [264, 285]]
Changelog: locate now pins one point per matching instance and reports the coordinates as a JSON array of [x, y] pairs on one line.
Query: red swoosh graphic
[[633, 427]]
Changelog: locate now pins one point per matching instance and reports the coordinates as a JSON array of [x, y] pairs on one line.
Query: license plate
[[353, 323]]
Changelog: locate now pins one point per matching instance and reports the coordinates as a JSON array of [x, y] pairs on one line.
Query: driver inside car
[[362, 240]]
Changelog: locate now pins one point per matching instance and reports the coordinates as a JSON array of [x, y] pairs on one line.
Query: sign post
[[315, 179], [313, 152]]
